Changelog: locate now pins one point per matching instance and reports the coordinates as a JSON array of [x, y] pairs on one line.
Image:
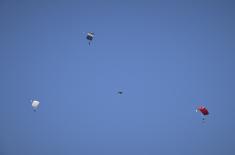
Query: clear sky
[[168, 57]]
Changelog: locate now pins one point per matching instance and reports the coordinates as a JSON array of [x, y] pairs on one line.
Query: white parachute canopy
[[35, 104]]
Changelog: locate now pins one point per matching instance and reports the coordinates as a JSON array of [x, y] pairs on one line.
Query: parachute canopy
[[90, 36], [120, 92], [203, 110], [35, 104]]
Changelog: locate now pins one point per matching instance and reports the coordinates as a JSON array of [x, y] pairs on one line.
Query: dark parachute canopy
[[90, 36], [120, 92]]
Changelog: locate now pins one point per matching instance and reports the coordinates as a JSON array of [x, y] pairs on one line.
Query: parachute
[[120, 92], [35, 104], [204, 111], [90, 36]]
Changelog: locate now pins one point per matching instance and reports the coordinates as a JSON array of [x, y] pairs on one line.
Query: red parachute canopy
[[203, 110]]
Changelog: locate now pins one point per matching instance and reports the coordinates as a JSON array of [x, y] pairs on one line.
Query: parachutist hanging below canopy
[[90, 36]]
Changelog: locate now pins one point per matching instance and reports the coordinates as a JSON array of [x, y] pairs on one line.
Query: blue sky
[[168, 57]]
